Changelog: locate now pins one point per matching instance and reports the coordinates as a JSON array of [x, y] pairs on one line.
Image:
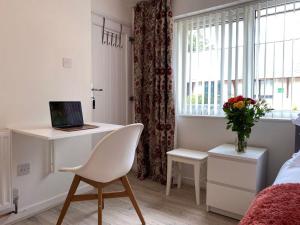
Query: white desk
[[49, 134]]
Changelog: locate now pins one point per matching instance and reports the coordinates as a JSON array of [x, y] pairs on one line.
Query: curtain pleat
[[154, 103]]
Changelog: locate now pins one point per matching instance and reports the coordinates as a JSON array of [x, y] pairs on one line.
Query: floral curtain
[[153, 83]]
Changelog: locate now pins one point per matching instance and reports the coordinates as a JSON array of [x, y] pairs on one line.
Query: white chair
[[193, 157], [110, 161]]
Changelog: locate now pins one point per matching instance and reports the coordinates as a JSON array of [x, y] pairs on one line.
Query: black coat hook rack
[[110, 37]]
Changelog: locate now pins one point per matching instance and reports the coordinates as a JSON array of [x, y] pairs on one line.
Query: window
[[277, 47], [248, 50]]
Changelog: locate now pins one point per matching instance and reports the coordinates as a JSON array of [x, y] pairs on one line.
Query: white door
[[111, 72]]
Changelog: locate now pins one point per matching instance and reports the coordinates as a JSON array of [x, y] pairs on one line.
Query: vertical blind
[[224, 53]]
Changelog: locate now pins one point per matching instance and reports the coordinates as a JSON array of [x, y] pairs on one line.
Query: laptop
[[67, 116]]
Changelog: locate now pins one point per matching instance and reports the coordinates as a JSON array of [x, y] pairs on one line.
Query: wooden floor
[[177, 209]]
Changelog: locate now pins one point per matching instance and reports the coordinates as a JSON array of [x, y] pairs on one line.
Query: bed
[[278, 204]]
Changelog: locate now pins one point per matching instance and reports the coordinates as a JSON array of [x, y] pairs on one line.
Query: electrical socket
[[67, 63], [23, 169]]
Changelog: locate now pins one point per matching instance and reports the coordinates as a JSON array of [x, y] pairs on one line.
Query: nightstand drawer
[[231, 172], [228, 199]]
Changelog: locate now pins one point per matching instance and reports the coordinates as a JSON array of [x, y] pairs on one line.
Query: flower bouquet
[[242, 113]]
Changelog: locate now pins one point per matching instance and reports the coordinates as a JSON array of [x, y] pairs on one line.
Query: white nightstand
[[233, 179]]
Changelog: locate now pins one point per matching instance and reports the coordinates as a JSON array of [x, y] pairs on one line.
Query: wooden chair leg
[[128, 189], [67, 203], [100, 205]]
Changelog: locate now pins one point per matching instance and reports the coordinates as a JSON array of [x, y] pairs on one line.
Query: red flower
[[232, 100], [252, 101], [226, 105], [239, 98], [236, 99]]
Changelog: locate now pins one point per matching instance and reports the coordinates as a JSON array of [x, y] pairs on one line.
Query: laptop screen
[[66, 114]]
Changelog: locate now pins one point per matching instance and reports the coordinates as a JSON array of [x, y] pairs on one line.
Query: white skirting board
[[37, 208], [5, 172], [188, 180]]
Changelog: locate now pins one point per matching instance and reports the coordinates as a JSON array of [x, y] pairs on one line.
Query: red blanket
[[275, 205]]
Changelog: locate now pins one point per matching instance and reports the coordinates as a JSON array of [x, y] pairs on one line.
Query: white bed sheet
[[288, 173]]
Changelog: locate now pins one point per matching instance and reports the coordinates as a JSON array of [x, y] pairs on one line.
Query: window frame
[[249, 78]]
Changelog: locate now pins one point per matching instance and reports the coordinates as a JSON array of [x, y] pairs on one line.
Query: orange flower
[[239, 105]]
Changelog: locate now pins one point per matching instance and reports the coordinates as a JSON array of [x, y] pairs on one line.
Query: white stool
[[194, 157]]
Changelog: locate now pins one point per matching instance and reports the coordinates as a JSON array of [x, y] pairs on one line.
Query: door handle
[[93, 102], [96, 89]]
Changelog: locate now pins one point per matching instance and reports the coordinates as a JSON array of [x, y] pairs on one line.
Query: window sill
[[286, 120]]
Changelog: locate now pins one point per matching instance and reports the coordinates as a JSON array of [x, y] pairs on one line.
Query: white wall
[[34, 37], [120, 10], [205, 133]]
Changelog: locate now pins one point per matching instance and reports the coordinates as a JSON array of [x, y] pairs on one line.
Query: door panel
[[110, 70]]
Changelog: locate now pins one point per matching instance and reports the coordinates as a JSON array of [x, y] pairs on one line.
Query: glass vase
[[241, 143]]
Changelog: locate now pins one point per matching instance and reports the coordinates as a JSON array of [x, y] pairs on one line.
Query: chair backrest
[[113, 156]]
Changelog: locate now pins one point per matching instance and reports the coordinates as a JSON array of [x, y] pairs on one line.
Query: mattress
[[289, 173]]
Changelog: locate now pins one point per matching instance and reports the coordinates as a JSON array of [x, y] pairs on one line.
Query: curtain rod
[[115, 20]]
